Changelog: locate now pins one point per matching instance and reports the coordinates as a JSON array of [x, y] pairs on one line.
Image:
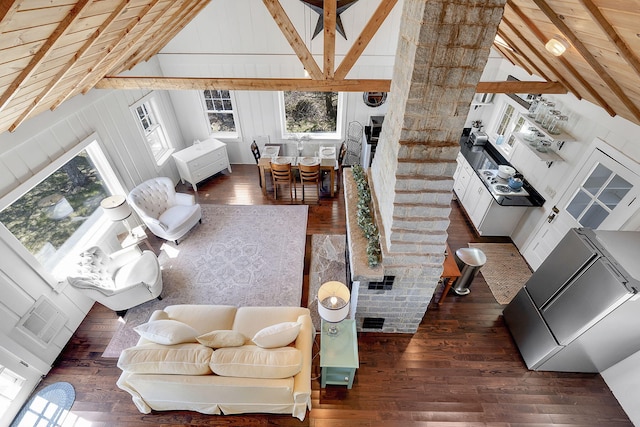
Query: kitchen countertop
[[487, 157]]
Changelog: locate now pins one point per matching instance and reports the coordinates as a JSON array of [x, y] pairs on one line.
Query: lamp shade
[[116, 208], [333, 301], [556, 46]]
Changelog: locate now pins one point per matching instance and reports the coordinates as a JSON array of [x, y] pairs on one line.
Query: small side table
[[137, 236], [450, 274], [339, 354]]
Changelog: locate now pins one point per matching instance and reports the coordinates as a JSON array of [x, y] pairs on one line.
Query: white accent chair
[[119, 281], [169, 215]]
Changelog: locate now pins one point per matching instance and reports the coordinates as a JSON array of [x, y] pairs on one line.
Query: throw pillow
[[222, 338], [250, 361], [278, 335], [180, 359], [166, 332]]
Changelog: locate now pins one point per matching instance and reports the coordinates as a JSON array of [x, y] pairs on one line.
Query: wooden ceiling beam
[[182, 10], [7, 10], [124, 55], [564, 61], [349, 85], [521, 87], [295, 41], [530, 48], [507, 55], [104, 27], [329, 59], [360, 44], [608, 29], [518, 54], [42, 54], [124, 35], [589, 58], [191, 83]]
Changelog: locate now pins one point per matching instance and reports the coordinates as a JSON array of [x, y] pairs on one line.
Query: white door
[[17, 381], [603, 195]]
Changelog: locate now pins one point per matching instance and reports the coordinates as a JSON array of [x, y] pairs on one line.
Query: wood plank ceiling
[[51, 51]]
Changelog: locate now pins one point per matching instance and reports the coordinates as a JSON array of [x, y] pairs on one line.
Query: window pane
[[594, 216], [219, 108], [615, 191], [578, 204], [597, 179], [48, 215], [222, 122], [506, 118], [311, 112], [155, 141]]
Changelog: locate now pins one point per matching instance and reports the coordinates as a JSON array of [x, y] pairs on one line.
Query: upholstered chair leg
[[121, 313], [159, 297]]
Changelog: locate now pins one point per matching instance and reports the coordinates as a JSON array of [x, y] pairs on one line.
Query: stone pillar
[[442, 50]]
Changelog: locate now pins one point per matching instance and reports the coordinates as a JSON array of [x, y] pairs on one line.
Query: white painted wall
[[34, 145], [248, 43], [239, 39]]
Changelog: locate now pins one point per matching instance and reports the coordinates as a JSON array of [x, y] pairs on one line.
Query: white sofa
[[162, 389]]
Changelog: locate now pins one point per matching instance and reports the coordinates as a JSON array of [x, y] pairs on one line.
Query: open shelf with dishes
[[549, 153]]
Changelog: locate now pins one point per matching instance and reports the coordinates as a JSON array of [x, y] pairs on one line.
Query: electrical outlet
[[550, 191]]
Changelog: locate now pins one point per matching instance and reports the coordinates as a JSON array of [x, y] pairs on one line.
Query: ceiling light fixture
[[556, 46]]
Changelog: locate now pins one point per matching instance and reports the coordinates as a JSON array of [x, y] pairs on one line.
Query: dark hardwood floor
[[460, 368]]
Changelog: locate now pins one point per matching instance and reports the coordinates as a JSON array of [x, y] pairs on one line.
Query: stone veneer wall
[[442, 50]]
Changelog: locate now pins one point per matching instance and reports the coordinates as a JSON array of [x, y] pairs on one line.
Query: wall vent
[[373, 323], [43, 321], [385, 285]]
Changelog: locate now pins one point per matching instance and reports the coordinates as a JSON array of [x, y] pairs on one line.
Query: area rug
[[48, 407], [505, 271], [327, 263], [239, 255]]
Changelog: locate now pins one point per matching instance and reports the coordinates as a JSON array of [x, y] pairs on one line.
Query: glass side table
[[339, 354]]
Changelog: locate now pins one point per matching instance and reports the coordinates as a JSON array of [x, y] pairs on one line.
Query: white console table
[[200, 161]]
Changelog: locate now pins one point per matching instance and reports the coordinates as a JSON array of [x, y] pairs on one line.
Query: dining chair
[[282, 174], [338, 167], [310, 174], [256, 155]]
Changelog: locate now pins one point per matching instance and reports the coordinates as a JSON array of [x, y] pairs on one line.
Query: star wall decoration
[[317, 6]]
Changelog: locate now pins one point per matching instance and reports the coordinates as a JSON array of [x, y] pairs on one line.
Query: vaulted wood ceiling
[[51, 50]]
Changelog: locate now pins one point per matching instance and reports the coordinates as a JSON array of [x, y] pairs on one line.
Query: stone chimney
[[442, 50]]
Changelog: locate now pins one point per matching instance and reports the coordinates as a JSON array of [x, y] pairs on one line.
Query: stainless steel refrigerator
[[579, 312]]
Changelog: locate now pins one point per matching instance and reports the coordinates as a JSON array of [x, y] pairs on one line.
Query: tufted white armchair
[[118, 281], [169, 215]]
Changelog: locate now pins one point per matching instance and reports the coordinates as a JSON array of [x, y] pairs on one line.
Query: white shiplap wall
[[34, 145], [240, 39]]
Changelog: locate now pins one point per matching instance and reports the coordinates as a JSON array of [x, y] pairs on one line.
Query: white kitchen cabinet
[[461, 176], [202, 160], [488, 217]]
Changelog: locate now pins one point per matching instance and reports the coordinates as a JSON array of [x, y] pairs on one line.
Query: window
[[315, 114], [150, 121], [598, 196], [218, 107], [58, 209]]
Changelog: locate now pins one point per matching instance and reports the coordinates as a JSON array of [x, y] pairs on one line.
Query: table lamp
[[333, 304], [117, 209]]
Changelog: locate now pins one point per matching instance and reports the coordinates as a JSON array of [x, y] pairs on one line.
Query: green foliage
[[311, 112], [365, 218], [29, 218]]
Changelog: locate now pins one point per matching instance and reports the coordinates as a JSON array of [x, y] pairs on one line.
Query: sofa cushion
[[278, 335], [204, 318], [221, 339], [250, 361], [166, 332], [179, 359]]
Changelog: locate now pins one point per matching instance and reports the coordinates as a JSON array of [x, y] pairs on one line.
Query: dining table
[[326, 160]]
